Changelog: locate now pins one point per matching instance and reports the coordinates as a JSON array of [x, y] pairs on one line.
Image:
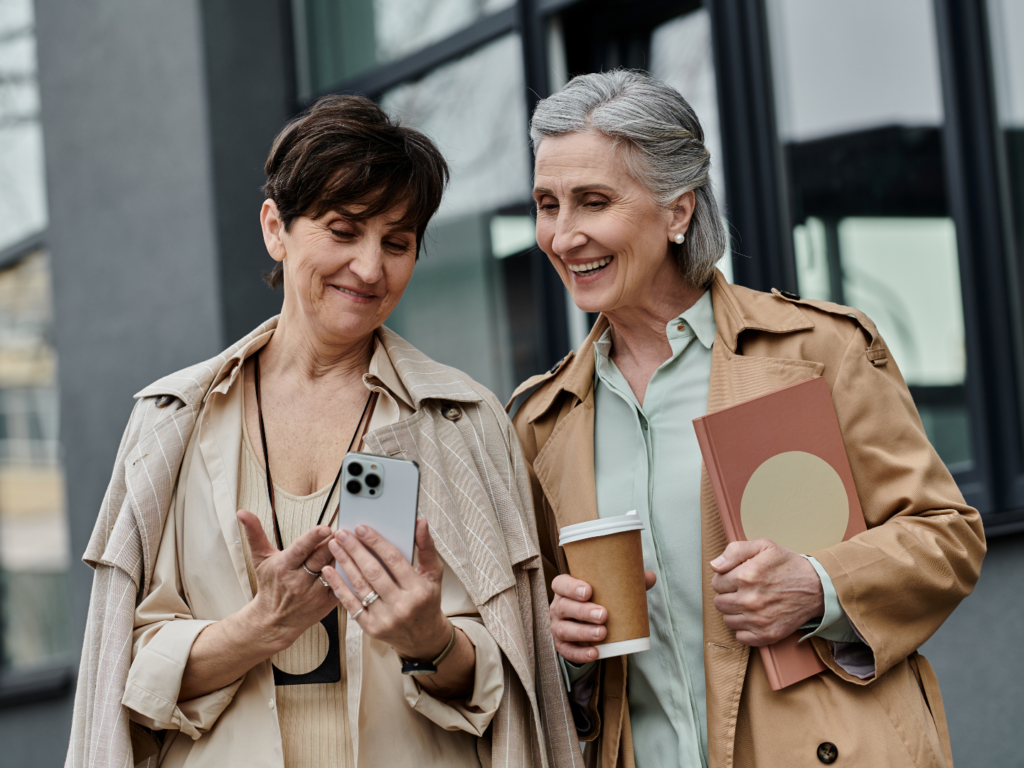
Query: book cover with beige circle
[[797, 500]]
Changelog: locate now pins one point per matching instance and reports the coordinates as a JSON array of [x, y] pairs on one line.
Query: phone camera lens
[[372, 492], [353, 486], [355, 469], [372, 480]]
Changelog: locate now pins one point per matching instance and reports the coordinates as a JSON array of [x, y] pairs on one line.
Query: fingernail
[[596, 614], [362, 531], [325, 532], [718, 561], [343, 535], [592, 654], [581, 592], [595, 632]]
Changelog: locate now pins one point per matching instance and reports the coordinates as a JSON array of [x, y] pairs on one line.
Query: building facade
[[868, 153]]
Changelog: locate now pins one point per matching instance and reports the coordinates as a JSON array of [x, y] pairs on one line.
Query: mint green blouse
[[647, 458]]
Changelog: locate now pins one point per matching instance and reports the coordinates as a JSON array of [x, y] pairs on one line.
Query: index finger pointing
[[296, 553]]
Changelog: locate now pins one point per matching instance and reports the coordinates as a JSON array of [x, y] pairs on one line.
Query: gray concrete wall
[[250, 84], [978, 660]]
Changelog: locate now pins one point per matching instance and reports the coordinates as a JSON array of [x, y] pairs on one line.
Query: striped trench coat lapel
[[475, 493]]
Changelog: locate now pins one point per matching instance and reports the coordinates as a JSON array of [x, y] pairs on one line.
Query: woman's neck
[[638, 333], [304, 354]]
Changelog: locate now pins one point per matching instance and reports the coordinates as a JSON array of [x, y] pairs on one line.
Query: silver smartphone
[[382, 493]]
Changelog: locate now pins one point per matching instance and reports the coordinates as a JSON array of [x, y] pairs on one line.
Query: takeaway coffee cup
[[607, 554]]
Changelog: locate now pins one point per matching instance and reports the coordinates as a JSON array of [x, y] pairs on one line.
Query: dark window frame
[[972, 153]]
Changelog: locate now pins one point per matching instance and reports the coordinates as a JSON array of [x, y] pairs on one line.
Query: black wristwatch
[[428, 667]]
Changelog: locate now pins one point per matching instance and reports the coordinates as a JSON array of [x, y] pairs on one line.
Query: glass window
[[22, 191], [33, 527], [1006, 26], [34, 609], [860, 115], [681, 55], [478, 248], [337, 39]]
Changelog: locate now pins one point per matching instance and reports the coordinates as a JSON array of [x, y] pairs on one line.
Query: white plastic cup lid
[[603, 526]]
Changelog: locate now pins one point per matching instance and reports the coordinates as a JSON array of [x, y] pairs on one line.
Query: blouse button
[[271, 704], [451, 412], [680, 327]]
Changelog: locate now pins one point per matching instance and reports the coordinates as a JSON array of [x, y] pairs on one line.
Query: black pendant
[[330, 670]]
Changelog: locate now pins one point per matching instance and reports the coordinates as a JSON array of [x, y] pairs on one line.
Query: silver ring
[[314, 575], [369, 599], [355, 615]]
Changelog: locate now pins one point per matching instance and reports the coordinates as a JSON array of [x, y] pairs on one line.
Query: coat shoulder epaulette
[[876, 351], [527, 388]]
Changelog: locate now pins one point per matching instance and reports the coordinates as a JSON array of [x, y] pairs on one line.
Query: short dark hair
[[344, 151]]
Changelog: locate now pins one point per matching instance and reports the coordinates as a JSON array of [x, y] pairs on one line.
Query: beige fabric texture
[[898, 581], [474, 492]]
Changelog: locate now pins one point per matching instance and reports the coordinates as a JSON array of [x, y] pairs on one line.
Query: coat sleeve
[[923, 549], [164, 632]]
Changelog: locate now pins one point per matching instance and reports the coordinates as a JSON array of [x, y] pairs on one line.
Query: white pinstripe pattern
[[473, 491]]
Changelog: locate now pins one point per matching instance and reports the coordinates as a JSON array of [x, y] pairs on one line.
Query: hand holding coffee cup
[[600, 610], [575, 620]]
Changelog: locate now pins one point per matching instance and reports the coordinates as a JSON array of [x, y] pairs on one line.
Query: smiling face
[[343, 276], [602, 230]]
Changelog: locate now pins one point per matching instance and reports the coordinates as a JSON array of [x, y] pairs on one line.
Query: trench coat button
[[271, 704], [791, 295], [164, 400], [827, 752], [451, 412]]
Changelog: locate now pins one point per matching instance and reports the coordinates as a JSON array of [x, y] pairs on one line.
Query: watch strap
[[429, 667]]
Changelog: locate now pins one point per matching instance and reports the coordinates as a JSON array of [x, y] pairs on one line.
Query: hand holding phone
[[383, 493]]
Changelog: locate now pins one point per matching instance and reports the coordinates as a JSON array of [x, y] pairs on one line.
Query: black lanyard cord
[[266, 455]]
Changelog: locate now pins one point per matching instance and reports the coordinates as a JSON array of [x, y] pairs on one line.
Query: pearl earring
[[679, 238]]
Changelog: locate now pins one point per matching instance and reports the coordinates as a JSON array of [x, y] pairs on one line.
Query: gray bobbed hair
[[664, 149]]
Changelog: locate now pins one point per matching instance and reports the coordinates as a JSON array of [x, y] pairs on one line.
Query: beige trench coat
[[897, 582], [474, 492]]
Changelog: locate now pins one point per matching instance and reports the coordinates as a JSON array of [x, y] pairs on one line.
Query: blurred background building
[[868, 152]]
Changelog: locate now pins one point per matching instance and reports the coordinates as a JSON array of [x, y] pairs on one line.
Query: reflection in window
[[681, 55], [457, 308], [33, 527], [22, 194], [337, 39], [871, 224], [1006, 28]]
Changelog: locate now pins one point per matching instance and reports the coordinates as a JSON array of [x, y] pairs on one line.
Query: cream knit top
[[314, 718]]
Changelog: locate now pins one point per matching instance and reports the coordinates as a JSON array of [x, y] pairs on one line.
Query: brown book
[[778, 467]]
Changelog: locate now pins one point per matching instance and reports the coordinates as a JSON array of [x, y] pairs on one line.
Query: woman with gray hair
[[627, 216]]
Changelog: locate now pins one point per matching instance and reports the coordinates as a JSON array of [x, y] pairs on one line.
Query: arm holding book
[[922, 553]]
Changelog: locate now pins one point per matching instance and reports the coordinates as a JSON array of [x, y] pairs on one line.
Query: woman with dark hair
[[215, 635]]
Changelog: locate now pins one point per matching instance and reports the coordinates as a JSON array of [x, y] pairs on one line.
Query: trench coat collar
[[422, 378], [737, 309]]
